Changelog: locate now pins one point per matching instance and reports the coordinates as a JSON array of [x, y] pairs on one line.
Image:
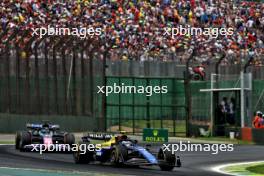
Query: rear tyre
[[69, 139], [167, 160], [80, 158]]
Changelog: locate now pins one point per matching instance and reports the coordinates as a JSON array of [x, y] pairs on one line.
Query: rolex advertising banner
[[155, 135]]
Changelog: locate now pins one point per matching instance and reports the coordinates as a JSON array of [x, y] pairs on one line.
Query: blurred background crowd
[[134, 29]]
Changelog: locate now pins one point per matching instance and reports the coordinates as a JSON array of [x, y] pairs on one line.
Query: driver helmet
[[259, 113], [124, 137], [45, 125], [45, 128]]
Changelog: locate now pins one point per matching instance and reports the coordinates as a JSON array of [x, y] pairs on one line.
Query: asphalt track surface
[[194, 163]]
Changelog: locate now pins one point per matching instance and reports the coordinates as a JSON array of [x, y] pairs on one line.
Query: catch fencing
[[58, 77]]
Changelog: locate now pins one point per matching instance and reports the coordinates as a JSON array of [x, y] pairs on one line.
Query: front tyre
[[167, 160], [119, 155], [17, 141], [24, 139], [114, 158]]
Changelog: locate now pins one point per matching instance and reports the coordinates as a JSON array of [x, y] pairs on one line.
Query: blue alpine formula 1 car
[[120, 150], [42, 133]]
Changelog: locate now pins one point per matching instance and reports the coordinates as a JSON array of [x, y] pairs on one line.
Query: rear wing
[[40, 126], [34, 126], [99, 136]]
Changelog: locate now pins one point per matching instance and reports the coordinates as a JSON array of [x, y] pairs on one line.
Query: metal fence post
[[74, 104], [83, 72], [188, 98], [174, 108], [39, 102], [148, 108], [102, 120], [119, 107], [17, 80], [64, 70], [27, 91], [55, 71], [91, 85], [47, 77], [48, 45], [161, 104], [8, 88], [18, 77]]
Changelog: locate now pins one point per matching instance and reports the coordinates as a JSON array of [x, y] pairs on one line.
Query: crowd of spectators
[[134, 29]]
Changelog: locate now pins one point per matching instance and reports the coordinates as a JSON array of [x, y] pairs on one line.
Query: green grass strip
[[256, 169], [7, 142]]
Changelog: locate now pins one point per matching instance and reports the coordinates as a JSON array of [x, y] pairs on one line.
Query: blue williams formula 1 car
[[121, 150], [39, 135]]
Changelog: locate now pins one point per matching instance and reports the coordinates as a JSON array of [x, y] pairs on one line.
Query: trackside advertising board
[[155, 135]]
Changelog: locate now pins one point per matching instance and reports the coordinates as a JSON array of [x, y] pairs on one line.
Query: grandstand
[[134, 29]]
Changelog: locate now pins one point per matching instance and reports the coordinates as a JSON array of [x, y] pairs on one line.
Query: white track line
[[27, 169], [80, 173], [7, 144], [220, 168]]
